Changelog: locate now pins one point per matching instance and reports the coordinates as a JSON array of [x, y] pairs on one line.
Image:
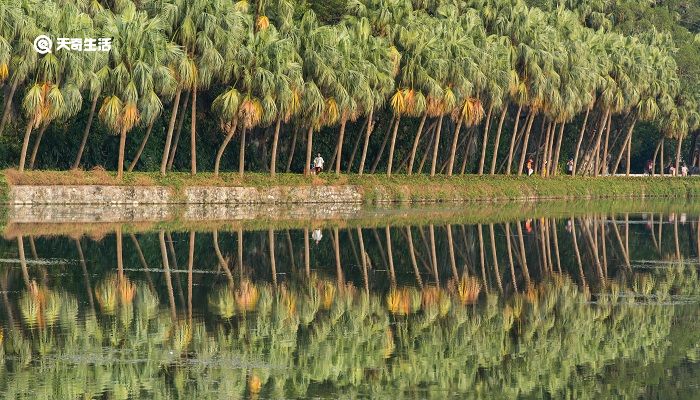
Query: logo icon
[[43, 44]]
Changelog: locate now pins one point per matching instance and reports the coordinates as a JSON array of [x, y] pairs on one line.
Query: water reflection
[[595, 306]]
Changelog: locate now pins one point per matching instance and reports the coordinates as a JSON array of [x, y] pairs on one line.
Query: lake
[[539, 300]]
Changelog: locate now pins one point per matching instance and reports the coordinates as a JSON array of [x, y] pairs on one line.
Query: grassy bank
[[399, 188]]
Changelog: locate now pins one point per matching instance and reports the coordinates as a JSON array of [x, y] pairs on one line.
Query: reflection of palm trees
[[86, 277], [494, 255], [166, 272], [390, 256]]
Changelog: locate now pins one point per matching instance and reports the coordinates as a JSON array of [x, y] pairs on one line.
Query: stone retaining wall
[[135, 195]]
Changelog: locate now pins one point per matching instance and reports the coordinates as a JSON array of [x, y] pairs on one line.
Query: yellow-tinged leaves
[[251, 112], [398, 102], [262, 23]]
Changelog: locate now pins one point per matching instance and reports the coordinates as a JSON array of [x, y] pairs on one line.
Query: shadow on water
[[524, 300]]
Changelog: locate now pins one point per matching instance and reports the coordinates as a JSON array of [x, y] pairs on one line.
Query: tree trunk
[[193, 133], [416, 140], [485, 141], [356, 146], [368, 132], [678, 155], [222, 148], [8, 105], [512, 140], [661, 161], [382, 147], [86, 131], [604, 168], [292, 147], [25, 144], [169, 134], [453, 150], [555, 163], [580, 139], [427, 152], [498, 140], [436, 147], [339, 148], [392, 146], [37, 143], [656, 153], [180, 123], [241, 153], [625, 146], [596, 149], [122, 149], [141, 147], [309, 150], [550, 127], [550, 149], [525, 142], [166, 271], [275, 140], [273, 264]]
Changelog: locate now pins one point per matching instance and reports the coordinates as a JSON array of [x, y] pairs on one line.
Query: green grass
[[398, 188]]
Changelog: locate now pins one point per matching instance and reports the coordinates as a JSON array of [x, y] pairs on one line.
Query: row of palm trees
[[447, 66], [332, 335]]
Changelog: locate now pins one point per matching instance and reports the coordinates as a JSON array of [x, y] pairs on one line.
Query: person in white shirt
[[318, 163], [684, 170], [317, 235]]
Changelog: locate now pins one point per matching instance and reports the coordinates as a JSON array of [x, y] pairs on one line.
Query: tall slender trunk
[[416, 140], [166, 270], [629, 149], [523, 256], [368, 132], [451, 250], [557, 152], [482, 254], [548, 135], [580, 139], [485, 140], [382, 147], [390, 255], [25, 144], [436, 147], [180, 123], [412, 253], [467, 151], [453, 150], [510, 258], [356, 146], [120, 258], [661, 161], [275, 141], [526, 139], [193, 133], [433, 253], [623, 149], [656, 153], [169, 134], [8, 104], [494, 255], [37, 143], [122, 149], [392, 146], [678, 155], [141, 147], [427, 152], [604, 168], [339, 148], [190, 271], [222, 148], [309, 150], [578, 253], [363, 255], [498, 141], [241, 153], [550, 148], [86, 132], [273, 264], [512, 139], [292, 147], [596, 149]]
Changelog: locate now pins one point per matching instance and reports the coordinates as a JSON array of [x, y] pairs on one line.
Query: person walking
[[318, 164], [570, 166], [530, 171], [684, 170]]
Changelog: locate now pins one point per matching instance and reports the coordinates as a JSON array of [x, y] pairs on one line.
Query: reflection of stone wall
[[105, 195]]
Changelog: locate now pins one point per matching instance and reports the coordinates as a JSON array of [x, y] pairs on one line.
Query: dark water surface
[[599, 305]]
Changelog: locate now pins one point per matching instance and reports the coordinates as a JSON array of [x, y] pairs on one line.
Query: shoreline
[[101, 188]]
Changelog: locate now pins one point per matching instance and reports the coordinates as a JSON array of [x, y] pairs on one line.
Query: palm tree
[[138, 71]]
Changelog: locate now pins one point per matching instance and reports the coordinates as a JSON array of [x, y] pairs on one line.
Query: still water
[[593, 304]]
